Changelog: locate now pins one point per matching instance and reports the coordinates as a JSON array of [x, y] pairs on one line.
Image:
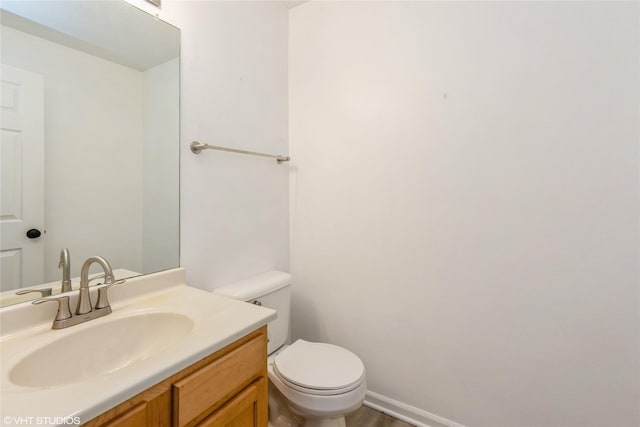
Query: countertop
[[218, 321]]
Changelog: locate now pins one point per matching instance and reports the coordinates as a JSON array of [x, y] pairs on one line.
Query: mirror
[[89, 149]]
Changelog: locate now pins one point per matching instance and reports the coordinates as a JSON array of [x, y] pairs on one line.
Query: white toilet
[[315, 384]]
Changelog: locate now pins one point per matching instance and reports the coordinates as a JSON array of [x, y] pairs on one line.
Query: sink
[[159, 327], [101, 349]]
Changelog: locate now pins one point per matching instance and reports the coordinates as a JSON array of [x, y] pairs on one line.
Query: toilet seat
[[318, 368]]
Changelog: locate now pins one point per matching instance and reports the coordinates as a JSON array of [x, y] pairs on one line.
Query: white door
[[22, 178]]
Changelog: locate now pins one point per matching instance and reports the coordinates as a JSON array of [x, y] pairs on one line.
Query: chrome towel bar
[[197, 147]]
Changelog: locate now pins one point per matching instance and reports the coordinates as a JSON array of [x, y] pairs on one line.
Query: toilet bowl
[[320, 382], [310, 383]]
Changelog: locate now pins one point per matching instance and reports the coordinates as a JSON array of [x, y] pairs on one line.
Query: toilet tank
[[272, 290]]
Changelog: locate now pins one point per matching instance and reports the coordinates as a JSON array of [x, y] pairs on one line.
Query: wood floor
[[367, 417]]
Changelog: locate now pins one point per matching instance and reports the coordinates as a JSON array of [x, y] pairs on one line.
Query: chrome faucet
[[84, 300], [65, 265], [85, 311]]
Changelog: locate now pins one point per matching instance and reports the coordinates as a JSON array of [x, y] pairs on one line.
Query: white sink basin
[[96, 351]]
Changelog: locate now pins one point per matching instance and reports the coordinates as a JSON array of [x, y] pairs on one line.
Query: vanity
[[228, 387], [168, 355]]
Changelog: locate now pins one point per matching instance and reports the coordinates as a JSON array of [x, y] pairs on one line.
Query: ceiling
[[114, 25]]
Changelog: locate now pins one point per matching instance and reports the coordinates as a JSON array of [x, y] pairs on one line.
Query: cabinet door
[[247, 409], [136, 416], [151, 408]]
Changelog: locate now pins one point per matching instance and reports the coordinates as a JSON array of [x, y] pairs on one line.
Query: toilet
[[313, 384]]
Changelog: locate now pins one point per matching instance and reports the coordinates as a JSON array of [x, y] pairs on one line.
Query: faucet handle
[[103, 299], [64, 312], [44, 292]]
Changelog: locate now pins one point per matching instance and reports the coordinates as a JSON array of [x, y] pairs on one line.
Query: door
[[22, 178]]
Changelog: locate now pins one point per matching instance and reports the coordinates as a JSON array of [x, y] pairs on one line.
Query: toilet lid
[[319, 366]]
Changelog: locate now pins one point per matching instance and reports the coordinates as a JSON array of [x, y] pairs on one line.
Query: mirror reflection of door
[[21, 178], [111, 132]]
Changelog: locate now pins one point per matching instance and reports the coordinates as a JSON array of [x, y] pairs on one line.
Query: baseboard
[[405, 412]]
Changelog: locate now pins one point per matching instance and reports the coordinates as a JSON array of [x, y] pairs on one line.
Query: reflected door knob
[[34, 233]]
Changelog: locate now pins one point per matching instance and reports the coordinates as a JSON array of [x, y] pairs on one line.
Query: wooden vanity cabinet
[[227, 388]]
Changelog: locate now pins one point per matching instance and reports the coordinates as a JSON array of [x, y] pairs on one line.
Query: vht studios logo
[[39, 421]]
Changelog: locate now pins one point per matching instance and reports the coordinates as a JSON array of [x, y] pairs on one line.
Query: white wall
[[233, 208], [90, 104], [464, 203], [161, 181]]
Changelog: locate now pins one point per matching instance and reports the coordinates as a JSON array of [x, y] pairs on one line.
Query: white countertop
[[218, 321]]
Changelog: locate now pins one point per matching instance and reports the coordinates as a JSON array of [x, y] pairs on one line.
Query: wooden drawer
[[203, 391]]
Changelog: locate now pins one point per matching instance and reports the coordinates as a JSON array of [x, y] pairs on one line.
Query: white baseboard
[[405, 412]]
